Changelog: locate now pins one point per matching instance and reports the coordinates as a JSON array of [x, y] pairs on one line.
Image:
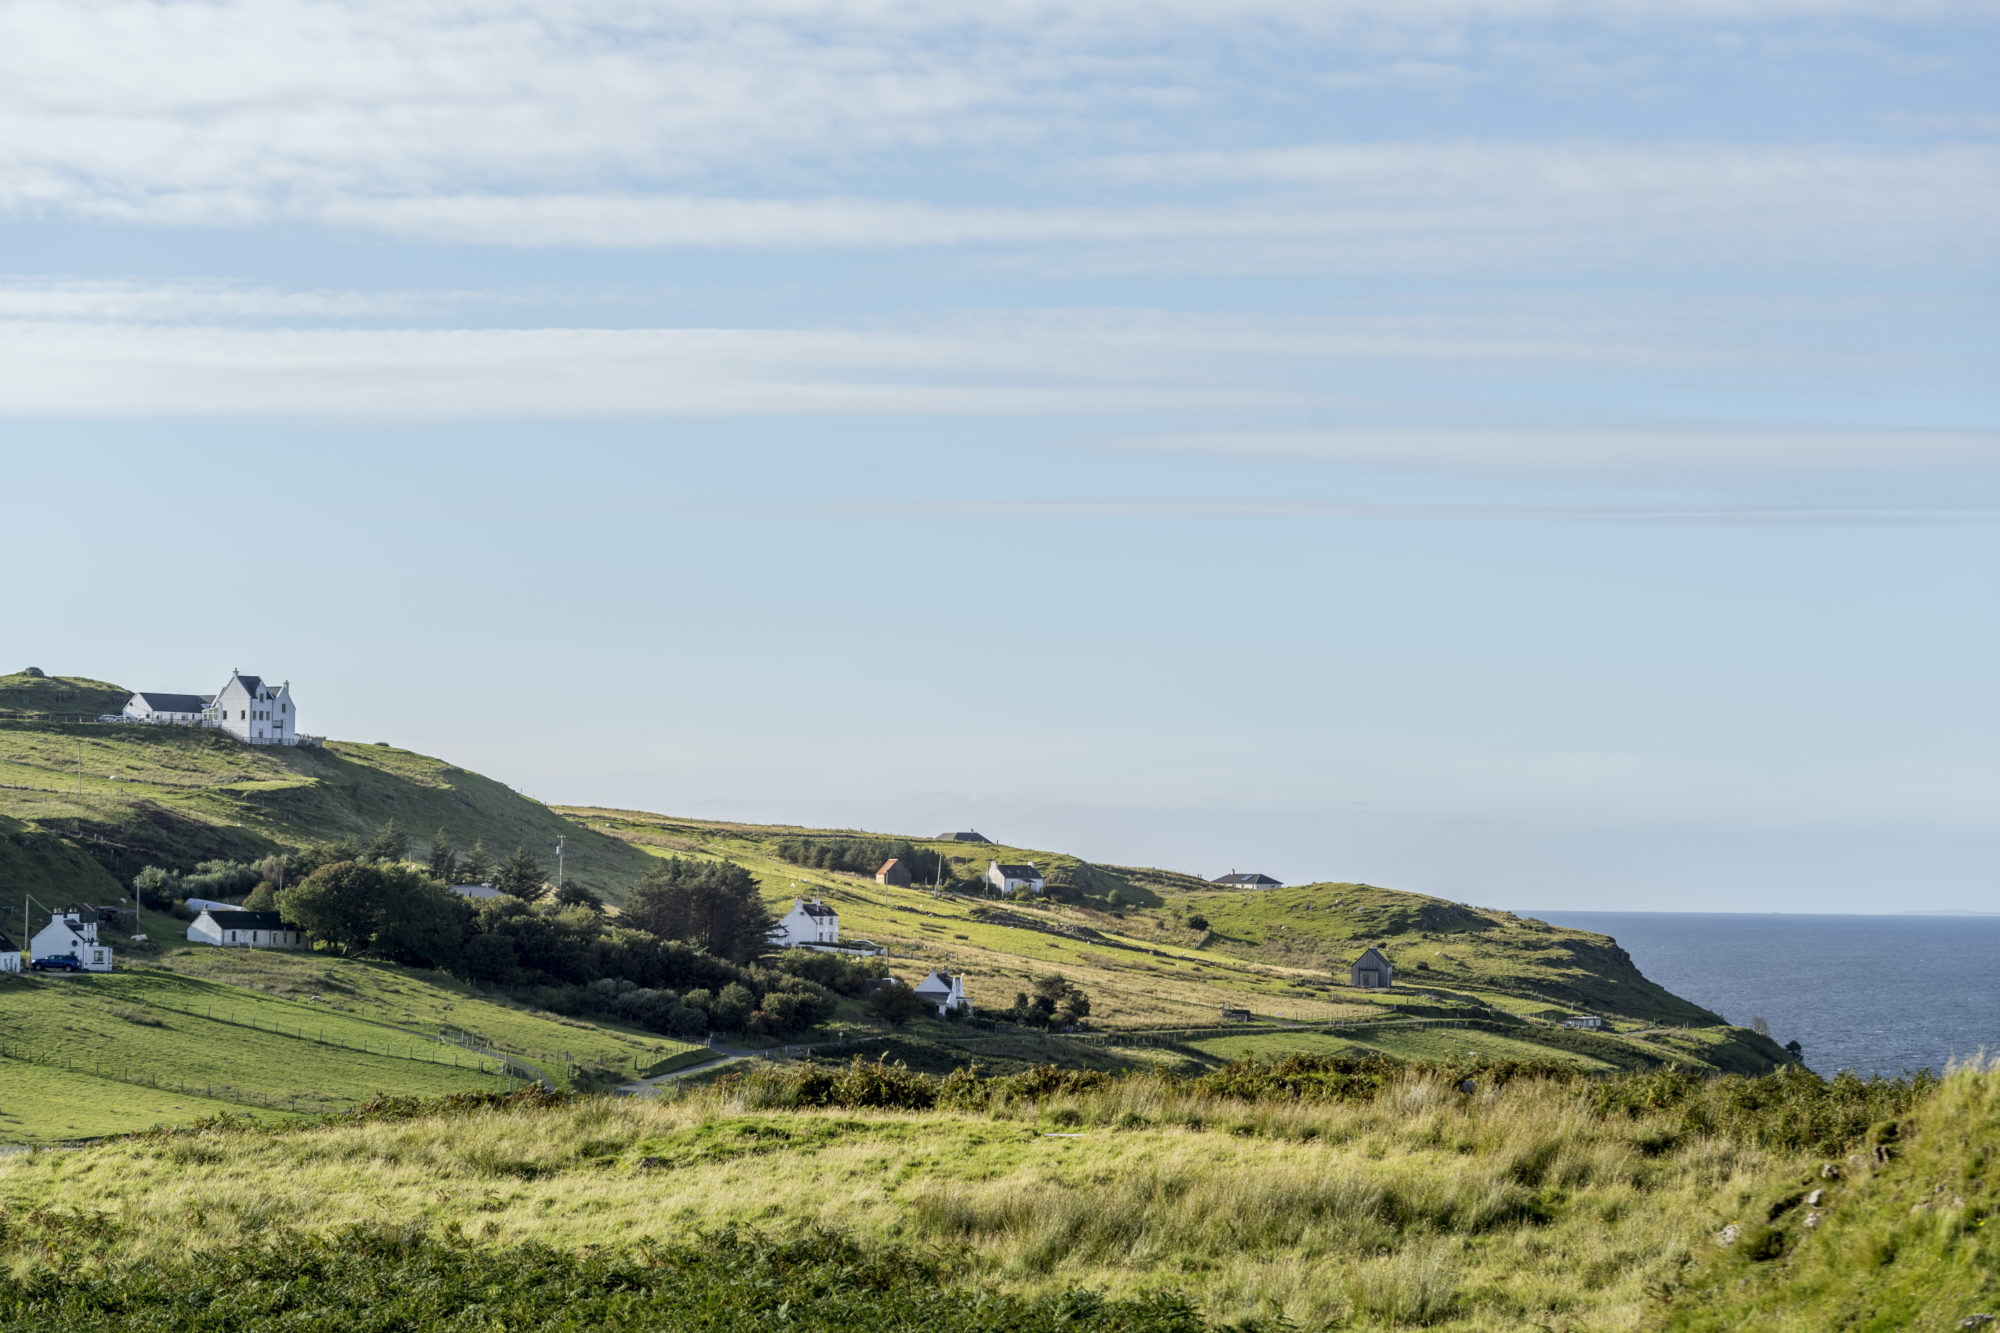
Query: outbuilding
[[1585, 1022], [245, 930], [1371, 971], [893, 871]]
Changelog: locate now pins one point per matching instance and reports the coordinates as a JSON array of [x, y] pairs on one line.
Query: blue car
[[62, 962]]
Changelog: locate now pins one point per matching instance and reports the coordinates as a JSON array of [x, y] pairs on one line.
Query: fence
[[385, 1048]]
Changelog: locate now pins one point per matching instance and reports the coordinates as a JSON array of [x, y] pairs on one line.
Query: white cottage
[[807, 924], [1007, 878], [944, 993], [245, 930], [10, 957], [252, 711], [174, 709], [73, 931]]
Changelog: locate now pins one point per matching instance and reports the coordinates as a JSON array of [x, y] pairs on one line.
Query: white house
[[246, 707], [177, 709], [1586, 1022], [808, 923], [252, 711], [1008, 878], [73, 931], [246, 930], [944, 993], [10, 957]]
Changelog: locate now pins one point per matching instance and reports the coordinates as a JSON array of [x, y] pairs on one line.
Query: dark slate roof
[[251, 683], [172, 703], [250, 921], [937, 983], [6, 945], [1250, 881], [967, 836], [817, 909], [1017, 871]]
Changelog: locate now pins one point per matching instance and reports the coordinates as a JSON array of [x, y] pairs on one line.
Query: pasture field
[[40, 1104], [1414, 1043], [1532, 1204]]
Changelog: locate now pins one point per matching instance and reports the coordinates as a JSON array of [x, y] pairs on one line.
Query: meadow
[[1389, 1198]]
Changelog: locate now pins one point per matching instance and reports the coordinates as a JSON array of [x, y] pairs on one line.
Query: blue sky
[[1539, 453]]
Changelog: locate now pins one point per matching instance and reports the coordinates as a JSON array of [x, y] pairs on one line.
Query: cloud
[[789, 124]]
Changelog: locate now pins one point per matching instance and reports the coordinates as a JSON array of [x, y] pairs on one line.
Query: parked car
[[61, 962]]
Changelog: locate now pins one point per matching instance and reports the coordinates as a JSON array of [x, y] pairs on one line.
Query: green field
[[50, 1104], [1414, 1043]]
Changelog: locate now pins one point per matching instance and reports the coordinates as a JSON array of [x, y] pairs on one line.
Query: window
[[232, 937]]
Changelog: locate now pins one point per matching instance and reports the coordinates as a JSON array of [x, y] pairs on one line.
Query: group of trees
[[1054, 1002], [864, 856]]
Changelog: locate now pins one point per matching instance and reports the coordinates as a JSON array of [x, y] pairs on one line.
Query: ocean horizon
[[1885, 994]]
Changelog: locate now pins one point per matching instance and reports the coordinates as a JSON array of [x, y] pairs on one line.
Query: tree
[[1054, 1003], [339, 905], [419, 922], [1197, 922], [263, 898], [477, 867], [732, 1006], [1796, 1051], [893, 1003], [713, 904], [521, 876], [443, 860], [574, 894], [391, 844]]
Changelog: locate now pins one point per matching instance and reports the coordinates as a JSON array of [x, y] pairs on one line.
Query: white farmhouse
[[944, 993], [808, 923], [175, 709], [10, 957], [252, 711], [245, 930], [73, 931], [246, 707], [1007, 878]]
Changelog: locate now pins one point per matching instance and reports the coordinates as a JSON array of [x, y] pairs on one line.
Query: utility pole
[[79, 768], [559, 868]]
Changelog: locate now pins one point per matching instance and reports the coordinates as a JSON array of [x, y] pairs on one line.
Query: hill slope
[[1281, 954], [134, 795]]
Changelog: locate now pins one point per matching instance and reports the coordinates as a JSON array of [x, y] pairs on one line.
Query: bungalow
[[72, 931], [1371, 971], [1232, 880], [10, 957], [246, 930], [176, 709], [893, 871], [966, 836], [1007, 878], [1587, 1022], [808, 923], [944, 993]]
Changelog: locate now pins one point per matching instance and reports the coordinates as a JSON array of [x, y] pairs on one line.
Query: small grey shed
[[1371, 971]]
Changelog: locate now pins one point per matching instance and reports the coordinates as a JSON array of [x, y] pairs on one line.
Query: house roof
[[475, 890], [249, 921], [1252, 880], [816, 909], [886, 864], [171, 703], [967, 835], [1016, 871], [936, 981], [6, 945], [1372, 952]]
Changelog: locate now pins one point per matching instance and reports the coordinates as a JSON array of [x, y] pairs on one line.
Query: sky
[[1539, 453]]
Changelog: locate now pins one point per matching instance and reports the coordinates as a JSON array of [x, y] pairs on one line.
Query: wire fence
[[298, 1031]]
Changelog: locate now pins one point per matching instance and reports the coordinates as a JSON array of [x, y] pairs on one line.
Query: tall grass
[[1373, 1197]]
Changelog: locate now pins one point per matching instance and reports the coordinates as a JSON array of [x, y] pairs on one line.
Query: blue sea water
[[1874, 994]]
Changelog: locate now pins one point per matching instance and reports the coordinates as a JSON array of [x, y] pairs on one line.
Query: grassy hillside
[[192, 1032], [1282, 954], [133, 795], [1397, 1202]]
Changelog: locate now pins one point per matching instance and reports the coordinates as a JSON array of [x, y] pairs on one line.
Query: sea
[[1883, 995]]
